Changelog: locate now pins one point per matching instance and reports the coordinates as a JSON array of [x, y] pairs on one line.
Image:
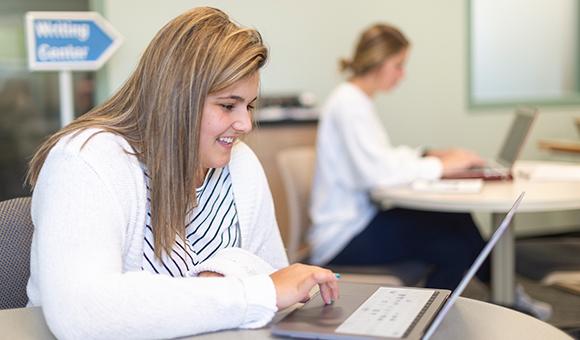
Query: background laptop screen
[[516, 137]]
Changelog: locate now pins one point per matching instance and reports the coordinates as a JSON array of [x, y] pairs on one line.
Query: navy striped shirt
[[212, 225]]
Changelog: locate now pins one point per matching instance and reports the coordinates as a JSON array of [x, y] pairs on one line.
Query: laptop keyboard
[[389, 312]]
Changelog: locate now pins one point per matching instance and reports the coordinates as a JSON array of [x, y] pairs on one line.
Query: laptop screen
[[494, 239], [516, 137]]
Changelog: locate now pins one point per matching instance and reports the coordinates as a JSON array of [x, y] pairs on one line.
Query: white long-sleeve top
[[88, 209], [354, 156]]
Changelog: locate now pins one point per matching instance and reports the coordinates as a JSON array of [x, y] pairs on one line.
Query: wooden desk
[[468, 320], [496, 197], [559, 145]]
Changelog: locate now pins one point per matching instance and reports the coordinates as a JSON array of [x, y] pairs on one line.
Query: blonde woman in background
[[152, 220], [355, 155]]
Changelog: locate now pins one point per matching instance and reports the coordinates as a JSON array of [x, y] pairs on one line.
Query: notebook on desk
[[501, 166], [366, 311]]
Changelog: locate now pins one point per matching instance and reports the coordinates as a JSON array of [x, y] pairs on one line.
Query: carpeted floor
[[566, 305]]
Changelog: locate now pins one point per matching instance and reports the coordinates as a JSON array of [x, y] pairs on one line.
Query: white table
[[467, 320], [496, 197]]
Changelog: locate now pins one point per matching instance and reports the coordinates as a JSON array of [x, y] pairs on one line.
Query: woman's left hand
[[456, 158]]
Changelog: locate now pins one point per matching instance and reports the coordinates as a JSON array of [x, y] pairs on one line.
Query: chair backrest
[[15, 238], [296, 166]]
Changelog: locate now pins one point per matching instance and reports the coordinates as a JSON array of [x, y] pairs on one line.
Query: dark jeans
[[448, 241]]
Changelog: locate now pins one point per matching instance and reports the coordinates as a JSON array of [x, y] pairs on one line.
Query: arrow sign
[[69, 40], [65, 42]]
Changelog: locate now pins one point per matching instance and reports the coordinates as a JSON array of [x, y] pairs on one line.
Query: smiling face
[[226, 116]]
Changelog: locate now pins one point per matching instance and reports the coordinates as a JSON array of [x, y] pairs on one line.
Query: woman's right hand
[[294, 283]]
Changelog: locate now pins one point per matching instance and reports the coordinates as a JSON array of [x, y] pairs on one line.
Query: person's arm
[[374, 160], [82, 237], [263, 250], [232, 261], [456, 158]]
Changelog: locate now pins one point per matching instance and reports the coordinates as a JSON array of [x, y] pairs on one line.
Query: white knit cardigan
[[88, 209]]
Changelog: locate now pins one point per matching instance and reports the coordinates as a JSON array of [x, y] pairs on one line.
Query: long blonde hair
[[159, 108], [377, 44]]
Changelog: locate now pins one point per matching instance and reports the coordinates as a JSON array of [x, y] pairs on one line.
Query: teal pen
[[337, 275]]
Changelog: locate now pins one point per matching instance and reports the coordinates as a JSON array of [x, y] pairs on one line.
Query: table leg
[[503, 265]]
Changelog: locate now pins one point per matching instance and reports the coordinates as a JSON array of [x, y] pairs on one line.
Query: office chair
[[15, 238], [296, 166]]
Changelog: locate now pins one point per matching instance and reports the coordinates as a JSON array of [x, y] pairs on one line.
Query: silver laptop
[[367, 311], [501, 167]]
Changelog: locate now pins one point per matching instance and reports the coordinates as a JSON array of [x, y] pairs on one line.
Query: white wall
[[308, 37]]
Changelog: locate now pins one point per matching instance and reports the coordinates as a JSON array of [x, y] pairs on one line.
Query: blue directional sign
[[69, 40]]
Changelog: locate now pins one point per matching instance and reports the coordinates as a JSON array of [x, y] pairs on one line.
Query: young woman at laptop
[[152, 219], [354, 155]]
